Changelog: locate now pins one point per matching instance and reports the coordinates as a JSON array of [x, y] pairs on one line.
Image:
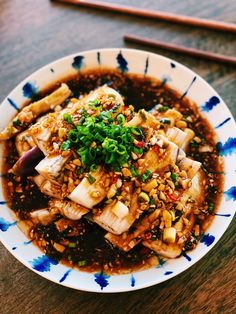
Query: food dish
[[168, 138], [113, 188]]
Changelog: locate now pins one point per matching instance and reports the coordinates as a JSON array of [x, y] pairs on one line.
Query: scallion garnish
[[178, 214], [72, 244], [133, 171], [174, 177], [95, 104], [137, 150], [73, 136], [146, 175], [66, 145], [165, 121], [98, 140], [121, 118], [17, 123], [211, 207], [90, 178], [135, 131], [67, 117], [80, 170], [93, 167], [163, 108], [151, 202]]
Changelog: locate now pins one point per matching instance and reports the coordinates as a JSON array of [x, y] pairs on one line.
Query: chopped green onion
[[165, 121], [67, 117], [178, 214], [152, 202], [97, 140], [105, 117], [17, 123], [211, 207], [72, 244], [73, 136], [121, 150], [115, 108], [133, 171], [82, 263], [143, 197], [90, 178], [174, 177], [109, 145], [66, 145], [135, 131], [163, 108], [93, 167], [80, 170], [95, 104], [121, 118], [146, 175], [137, 150]]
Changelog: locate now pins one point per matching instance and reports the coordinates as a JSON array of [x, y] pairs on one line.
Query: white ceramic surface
[[181, 79]]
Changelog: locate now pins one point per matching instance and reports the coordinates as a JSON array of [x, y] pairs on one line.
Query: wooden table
[[35, 32]]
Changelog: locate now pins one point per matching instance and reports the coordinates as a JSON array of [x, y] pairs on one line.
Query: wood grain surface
[[35, 32]]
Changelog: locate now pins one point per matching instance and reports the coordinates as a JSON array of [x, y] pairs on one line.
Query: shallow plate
[[179, 78]]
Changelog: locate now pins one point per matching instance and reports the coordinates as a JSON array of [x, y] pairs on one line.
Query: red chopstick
[[154, 14], [181, 49]]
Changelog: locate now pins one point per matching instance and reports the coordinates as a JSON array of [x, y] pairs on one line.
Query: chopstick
[[181, 49], [154, 14]]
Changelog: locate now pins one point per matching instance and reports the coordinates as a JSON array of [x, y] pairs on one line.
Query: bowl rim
[[154, 281]]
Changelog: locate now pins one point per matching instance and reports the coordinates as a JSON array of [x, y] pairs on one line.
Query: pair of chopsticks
[[165, 16]]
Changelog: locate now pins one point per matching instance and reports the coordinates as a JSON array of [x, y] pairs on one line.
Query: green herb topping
[[174, 177], [90, 178], [17, 123], [146, 175], [165, 121], [100, 140], [67, 117], [95, 104], [163, 108], [211, 207], [66, 145], [82, 263]]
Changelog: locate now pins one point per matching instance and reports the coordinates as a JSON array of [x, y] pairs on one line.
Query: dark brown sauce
[[90, 246]]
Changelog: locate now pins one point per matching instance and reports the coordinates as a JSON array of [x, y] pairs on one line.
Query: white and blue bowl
[[186, 83]]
